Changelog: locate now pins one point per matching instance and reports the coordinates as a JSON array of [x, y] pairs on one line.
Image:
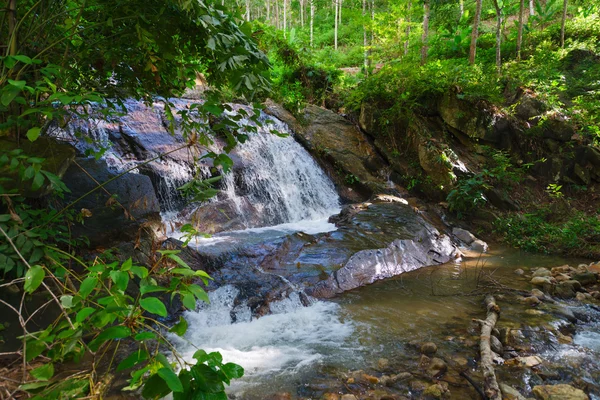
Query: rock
[[383, 364], [534, 312], [538, 293], [558, 392], [586, 278], [558, 129], [464, 235], [529, 361], [510, 393], [440, 173], [437, 367], [428, 348], [595, 268], [563, 269], [437, 391], [529, 107], [567, 289], [542, 272], [386, 198], [281, 396], [562, 277], [519, 272], [349, 397], [564, 339], [459, 363], [531, 301], [373, 380], [418, 385], [496, 345], [115, 217], [566, 313], [541, 281], [580, 297], [479, 246], [330, 396]]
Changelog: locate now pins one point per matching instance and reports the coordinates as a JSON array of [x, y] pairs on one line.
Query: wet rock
[[519, 272], [510, 393], [437, 367], [559, 392], [281, 396], [496, 345], [373, 380], [564, 339], [459, 363], [580, 297], [531, 301], [566, 313], [479, 246], [436, 391], [418, 385], [538, 293], [595, 268], [529, 361], [330, 396], [562, 277], [541, 281], [463, 235], [567, 289], [383, 364], [429, 348], [386, 198], [349, 397], [542, 272], [586, 278]]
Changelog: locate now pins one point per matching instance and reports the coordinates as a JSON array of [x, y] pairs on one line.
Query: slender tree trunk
[[425, 38], [498, 36], [531, 7], [277, 14], [285, 4], [408, 22], [520, 31], [475, 33], [247, 10], [312, 22], [461, 5], [268, 11], [335, 31], [372, 30], [302, 13], [340, 2], [12, 27], [562, 24], [365, 41]]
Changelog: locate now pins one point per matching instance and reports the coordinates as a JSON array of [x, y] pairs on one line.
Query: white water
[[290, 341]]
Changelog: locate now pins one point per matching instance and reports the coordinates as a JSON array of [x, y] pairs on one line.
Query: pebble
[[349, 397], [428, 348], [519, 272]]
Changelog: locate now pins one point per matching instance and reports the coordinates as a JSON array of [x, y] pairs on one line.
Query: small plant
[[554, 190], [467, 195]]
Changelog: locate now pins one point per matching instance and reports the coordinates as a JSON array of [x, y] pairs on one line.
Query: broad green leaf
[[180, 328], [33, 278], [19, 84], [33, 386], [134, 359], [44, 372], [23, 59], [207, 379], [199, 293], [120, 278], [66, 301], [34, 349], [114, 332], [189, 301], [171, 378], [154, 306], [145, 336], [33, 134], [87, 286], [233, 371], [8, 95], [126, 265], [38, 181], [155, 388], [84, 313]]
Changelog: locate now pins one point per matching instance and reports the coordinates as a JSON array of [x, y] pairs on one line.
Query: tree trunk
[[312, 22], [531, 7], [268, 11], [340, 2], [247, 10], [408, 22], [12, 27], [491, 388], [425, 38], [475, 33], [335, 31], [365, 41], [461, 5], [372, 30], [562, 24], [302, 13], [277, 14], [285, 4], [498, 37], [520, 32]]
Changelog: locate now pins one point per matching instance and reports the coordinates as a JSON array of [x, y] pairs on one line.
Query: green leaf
[[87, 286], [8, 95], [66, 301], [38, 181], [155, 388], [127, 265], [154, 306], [120, 278], [180, 328], [114, 332], [33, 278], [207, 379], [199, 293], [44, 372], [178, 260], [34, 349], [233, 371], [140, 272], [23, 59], [189, 301], [33, 134], [18, 84], [171, 378], [33, 386], [84, 313], [133, 360]]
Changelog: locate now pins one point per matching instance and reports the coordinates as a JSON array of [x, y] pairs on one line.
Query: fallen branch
[[491, 388]]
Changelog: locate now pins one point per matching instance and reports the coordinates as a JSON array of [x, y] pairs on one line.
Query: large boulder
[[114, 212], [558, 392]]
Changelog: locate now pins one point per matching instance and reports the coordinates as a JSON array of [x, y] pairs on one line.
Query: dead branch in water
[[491, 388]]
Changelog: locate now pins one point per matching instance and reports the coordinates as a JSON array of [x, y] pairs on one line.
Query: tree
[[520, 28], [312, 22], [475, 32], [365, 42], [499, 17], [425, 38], [336, 5], [408, 22]]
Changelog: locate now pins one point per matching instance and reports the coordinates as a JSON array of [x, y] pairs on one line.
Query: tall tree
[[312, 22], [335, 30], [365, 41], [520, 31], [285, 10], [562, 24], [425, 38], [532, 7], [461, 7], [499, 18], [475, 32], [408, 22]]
